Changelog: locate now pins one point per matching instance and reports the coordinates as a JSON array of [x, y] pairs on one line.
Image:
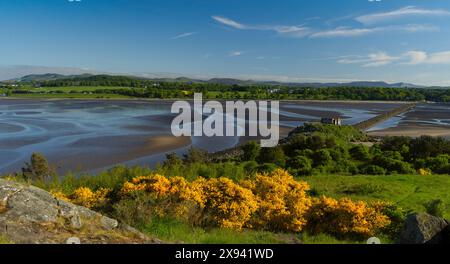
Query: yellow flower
[[86, 197], [424, 172]]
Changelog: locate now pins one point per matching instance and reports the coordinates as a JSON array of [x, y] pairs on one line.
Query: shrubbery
[[270, 201]]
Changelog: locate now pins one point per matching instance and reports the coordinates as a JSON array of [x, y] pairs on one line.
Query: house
[[331, 121]]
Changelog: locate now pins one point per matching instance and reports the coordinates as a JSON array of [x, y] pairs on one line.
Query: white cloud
[[301, 31], [409, 11], [184, 35], [229, 22], [343, 32], [371, 60], [290, 30], [235, 53], [408, 58], [416, 57], [356, 32], [422, 57]]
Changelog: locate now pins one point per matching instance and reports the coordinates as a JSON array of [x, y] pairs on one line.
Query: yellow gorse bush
[[345, 217], [219, 202], [273, 201], [283, 201], [228, 204], [424, 172], [84, 196]]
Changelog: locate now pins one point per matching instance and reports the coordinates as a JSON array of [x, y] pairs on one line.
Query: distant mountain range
[[226, 81]]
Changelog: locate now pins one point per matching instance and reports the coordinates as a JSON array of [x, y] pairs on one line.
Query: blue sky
[[288, 40]]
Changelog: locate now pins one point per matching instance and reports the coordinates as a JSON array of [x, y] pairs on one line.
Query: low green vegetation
[[174, 231], [413, 193], [4, 240]]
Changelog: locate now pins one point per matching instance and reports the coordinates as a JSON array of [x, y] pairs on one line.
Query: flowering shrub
[[156, 184], [228, 204], [273, 201], [218, 202], [344, 217], [60, 195], [283, 201], [85, 197], [424, 172]]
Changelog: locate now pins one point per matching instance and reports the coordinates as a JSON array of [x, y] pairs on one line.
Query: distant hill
[[225, 81], [48, 77]]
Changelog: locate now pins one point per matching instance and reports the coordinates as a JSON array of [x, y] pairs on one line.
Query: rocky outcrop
[[423, 228], [29, 215]]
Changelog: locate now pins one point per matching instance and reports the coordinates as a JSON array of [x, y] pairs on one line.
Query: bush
[[438, 164], [273, 155], [396, 216], [251, 151], [301, 165], [172, 161], [213, 202], [374, 170], [360, 152], [227, 204], [84, 196], [345, 218], [267, 168], [322, 158], [283, 201], [196, 156], [38, 168]]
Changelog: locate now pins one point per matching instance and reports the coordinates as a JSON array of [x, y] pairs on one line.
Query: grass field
[[172, 231], [4, 241], [410, 192]]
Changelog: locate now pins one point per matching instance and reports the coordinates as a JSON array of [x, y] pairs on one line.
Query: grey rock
[[109, 223], [422, 228], [29, 215], [75, 221]]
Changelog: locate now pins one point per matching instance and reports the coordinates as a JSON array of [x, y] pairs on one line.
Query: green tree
[[360, 152], [251, 151], [301, 165], [37, 169], [196, 156], [273, 155]]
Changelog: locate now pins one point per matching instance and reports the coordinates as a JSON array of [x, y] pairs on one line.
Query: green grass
[[4, 240], [173, 231], [410, 192]]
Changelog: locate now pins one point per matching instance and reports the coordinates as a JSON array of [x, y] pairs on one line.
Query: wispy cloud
[[371, 60], [355, 32], [235, 53], [301, 31], [409, 11], [408, 58], [422, 57], [229, 22], [286, 30], [184, 35]]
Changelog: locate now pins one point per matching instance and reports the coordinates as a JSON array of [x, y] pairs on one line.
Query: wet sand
[[425, 119], [89, 135], [116, 150], [413, 131]]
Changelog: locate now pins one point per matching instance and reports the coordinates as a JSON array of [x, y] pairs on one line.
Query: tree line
[[178, 88]]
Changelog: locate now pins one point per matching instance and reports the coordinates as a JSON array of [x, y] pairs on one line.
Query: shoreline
[[215, 99]]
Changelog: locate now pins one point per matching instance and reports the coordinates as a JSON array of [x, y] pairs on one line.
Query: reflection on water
[[66, 129]]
